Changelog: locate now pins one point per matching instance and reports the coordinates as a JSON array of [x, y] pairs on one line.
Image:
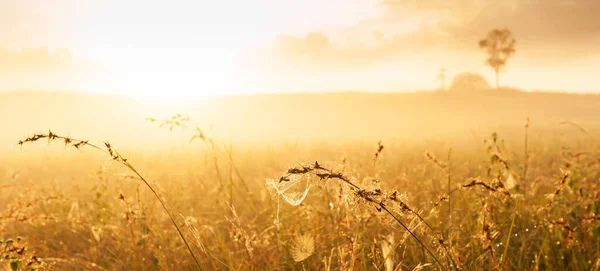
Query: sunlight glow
[[170, 74], [190, 49]]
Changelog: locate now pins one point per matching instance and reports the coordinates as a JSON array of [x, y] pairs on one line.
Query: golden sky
[[194, 48]]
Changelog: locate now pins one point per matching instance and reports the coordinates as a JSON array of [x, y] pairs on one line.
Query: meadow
[[350, 181]]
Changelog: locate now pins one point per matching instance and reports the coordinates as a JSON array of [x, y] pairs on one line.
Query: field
[[346, 181]]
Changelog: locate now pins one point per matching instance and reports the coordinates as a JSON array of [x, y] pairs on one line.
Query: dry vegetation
[[528, 201]]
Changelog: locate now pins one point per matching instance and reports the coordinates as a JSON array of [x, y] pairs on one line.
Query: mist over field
[[290, 117]]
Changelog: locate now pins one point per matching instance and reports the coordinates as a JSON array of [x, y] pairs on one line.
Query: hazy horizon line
[[283, 93]]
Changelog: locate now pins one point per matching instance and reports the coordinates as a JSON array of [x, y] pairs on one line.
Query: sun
[[168, 76]]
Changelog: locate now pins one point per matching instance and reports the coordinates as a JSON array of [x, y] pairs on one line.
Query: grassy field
[[427, 181]]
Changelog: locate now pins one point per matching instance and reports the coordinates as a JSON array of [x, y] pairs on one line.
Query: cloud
[[546, 30], [43, 69], [317, 52], [568, 24]]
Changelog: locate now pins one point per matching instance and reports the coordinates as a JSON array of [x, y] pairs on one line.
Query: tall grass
[[114, 155], [392, 210]]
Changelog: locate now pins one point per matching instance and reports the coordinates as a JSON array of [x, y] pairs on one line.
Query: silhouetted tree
[[499, 45], [442, 77]]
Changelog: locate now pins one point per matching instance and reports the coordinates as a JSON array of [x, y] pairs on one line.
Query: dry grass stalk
[[69, 141], [496, 187], [432, 158], [574, 125], [378, 152], [374, 197], [559, 187], [16, 254]]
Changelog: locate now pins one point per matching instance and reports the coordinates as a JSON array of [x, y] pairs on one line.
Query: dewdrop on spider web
[[302, 247], [510, 179], [291, 191], [97, 232]]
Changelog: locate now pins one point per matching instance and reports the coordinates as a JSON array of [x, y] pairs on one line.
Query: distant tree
[[442, 77], [468, 83], [500, 46]]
